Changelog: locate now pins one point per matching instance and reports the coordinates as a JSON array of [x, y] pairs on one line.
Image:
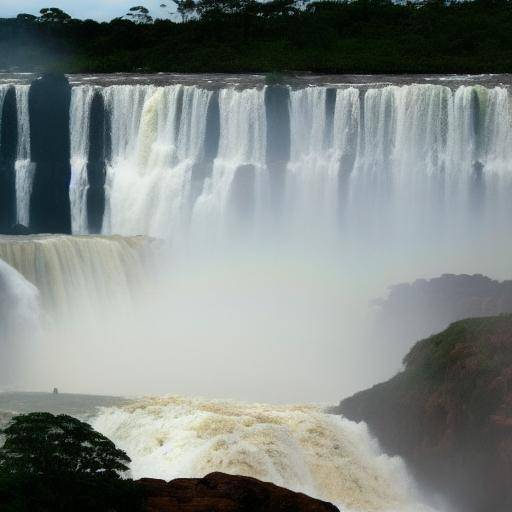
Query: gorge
[[223, 236]]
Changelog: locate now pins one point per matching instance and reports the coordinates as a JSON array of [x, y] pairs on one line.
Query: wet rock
[[219, 492]]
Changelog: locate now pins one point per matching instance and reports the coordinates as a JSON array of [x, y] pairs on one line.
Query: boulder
[[219, 492]]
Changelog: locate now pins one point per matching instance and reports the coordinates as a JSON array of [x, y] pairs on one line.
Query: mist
[[273, 322], [259, 269]]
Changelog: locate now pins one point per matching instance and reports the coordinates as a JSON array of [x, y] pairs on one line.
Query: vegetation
[[360, 36], [449, 412], [58, 463]]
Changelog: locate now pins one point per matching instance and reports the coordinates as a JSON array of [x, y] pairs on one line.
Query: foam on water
[[299, 447]]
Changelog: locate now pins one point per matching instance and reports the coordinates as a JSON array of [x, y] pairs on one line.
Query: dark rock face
[[98, 147], [18, 229], [8, 146], [277, 99], [449, 413], [218, 492], [49, 102]]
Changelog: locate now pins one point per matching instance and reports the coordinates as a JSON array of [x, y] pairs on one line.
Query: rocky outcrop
[[449, 413], [8, 145], [49, 103], [219, 492], [98, 151]]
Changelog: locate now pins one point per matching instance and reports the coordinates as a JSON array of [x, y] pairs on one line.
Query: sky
[[96, 9]]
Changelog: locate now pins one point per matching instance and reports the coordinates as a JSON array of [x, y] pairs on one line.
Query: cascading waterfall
[[80, 116], [410, 158], [319, 140], [24, 167], [77, 272], [19, 303], [414, 158], [239, 169], [397, 166], [158, 145], [19, 321], [125, 105]]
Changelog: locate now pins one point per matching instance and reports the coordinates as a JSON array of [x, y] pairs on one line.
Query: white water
[[399, 182], [241, 150], [19, 321], [72, 272], [422, 161], [298, 447], [79, 122], [418, 161], [19, 302], [24, 167], [155, 148]]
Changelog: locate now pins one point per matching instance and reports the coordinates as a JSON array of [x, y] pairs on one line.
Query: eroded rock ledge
[[219, 492]]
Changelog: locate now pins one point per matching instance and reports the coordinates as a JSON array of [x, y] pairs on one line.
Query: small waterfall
[[19, 321], [319, 140], [19, 303], [154, 173], [238, 185], [80, 116], [75, 271], [24, 167]]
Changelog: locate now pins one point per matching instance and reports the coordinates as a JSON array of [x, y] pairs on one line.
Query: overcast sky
[[95, 9]]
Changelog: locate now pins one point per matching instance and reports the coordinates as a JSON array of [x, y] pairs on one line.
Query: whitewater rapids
[[296, 446]]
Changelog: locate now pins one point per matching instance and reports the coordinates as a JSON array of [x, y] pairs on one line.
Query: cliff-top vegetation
[[361, 36]]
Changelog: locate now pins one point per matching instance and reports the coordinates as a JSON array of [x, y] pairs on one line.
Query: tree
[[53, 15], [44, 444], [140, 15], [186, 8], [60, 464], [26, 17]]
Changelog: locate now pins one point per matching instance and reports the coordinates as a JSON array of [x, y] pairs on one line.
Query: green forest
[[280, 36]]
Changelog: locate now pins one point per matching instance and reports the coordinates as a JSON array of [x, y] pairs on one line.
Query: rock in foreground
[[219, 492]]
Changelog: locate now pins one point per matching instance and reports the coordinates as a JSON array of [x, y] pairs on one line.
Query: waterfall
[[156, 145], [321, 141], [189, 164], [238, 182], [79, 122], [408, 157], [24, 167], [77, 272], [19, 321], [19, 303]]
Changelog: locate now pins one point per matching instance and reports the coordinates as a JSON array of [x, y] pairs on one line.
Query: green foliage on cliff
[[449, 412], [475, 343], [361, 36]]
